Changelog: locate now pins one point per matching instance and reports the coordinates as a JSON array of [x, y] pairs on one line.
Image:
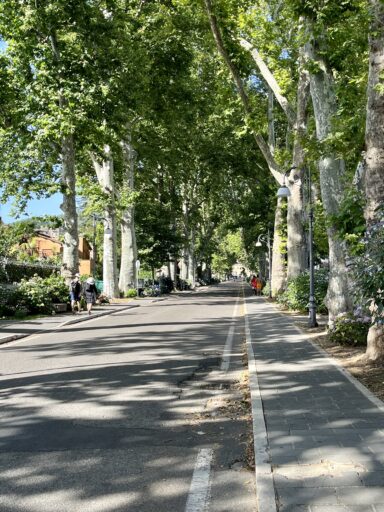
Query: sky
[[35, 208]]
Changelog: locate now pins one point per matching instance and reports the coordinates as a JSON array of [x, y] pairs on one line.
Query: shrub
[[265, 290], [350, 330], [33, 296], [296, 296], [37, 294], [9, 300], [131, 293], [14, 272]]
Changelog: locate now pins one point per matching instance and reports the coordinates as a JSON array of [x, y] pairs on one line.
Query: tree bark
[[71, 237], [271, 81], [332, 171], [374, 156], [128, 274], [279, 271], [297, 243], [104, 172], [297, 252], [70, 265]]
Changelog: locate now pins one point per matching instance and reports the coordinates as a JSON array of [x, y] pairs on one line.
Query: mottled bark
[[297, 244], [105, 175], [279, 271], [332, 172], [128, 274], [374, 156], [262, 145], [70, 264], [270, 79]]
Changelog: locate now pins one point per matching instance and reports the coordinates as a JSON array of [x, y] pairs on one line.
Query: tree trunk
[[70, 265], [296, 235], [374, 157], [104, 172], [297, 244], [279, 271], [128, 275], [331, 176], [71, 238]]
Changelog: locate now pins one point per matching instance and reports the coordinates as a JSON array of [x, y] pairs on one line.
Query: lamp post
[[285, 192], [137, 275], [107, 231], [266, 239]]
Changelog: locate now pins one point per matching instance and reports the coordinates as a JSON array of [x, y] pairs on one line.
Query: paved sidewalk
[[326, 436], [14, 330]]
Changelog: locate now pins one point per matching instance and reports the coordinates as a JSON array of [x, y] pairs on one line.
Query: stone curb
[[265, 489]]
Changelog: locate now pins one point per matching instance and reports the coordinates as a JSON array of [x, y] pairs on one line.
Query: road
[[131, 412]]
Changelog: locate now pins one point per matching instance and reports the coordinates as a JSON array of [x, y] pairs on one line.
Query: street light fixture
[[282, 192], [266, 239]]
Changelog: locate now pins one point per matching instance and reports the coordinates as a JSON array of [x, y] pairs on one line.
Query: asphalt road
[[129, 412]]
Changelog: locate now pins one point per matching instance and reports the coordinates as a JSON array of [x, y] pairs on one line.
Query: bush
[[296, 296], [14, 272], [37, 294], [131, 293], [265, 290], [350, 330], [9, 300]]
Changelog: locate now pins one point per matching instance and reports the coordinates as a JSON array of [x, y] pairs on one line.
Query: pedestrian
[[254, 283], [90, 293], [75, 293], [259, 285]]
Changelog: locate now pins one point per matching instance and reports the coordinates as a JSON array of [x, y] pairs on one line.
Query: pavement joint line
[[199, 491], [368, 394], [227, 352], [265, 489]]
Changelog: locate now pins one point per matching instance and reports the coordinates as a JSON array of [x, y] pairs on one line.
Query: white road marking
[[198, 496], [226, 359]]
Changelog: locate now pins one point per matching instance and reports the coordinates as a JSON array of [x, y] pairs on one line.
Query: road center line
[[226, 359], [200, 486]]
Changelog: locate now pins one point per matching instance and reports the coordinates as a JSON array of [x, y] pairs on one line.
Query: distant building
[[46, 244]]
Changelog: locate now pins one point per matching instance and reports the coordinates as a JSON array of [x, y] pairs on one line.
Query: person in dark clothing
[[75, 293], [90, 293]]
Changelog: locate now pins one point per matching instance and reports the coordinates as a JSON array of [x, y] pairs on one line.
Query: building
[[46, 244]]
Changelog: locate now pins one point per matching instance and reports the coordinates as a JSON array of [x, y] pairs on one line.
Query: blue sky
[[35, 208]]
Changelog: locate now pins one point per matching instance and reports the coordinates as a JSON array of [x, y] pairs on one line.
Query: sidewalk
[[14, 330], [325, 431]]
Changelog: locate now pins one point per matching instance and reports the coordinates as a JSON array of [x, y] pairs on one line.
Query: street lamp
[[282, 192], [266, 239]]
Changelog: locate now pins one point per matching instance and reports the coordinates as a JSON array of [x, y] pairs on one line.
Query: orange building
[[46, 245]]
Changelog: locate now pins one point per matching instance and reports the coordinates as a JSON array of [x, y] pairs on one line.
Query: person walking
[[259, 285], [75, 293], [90, 293], [254, 284]]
